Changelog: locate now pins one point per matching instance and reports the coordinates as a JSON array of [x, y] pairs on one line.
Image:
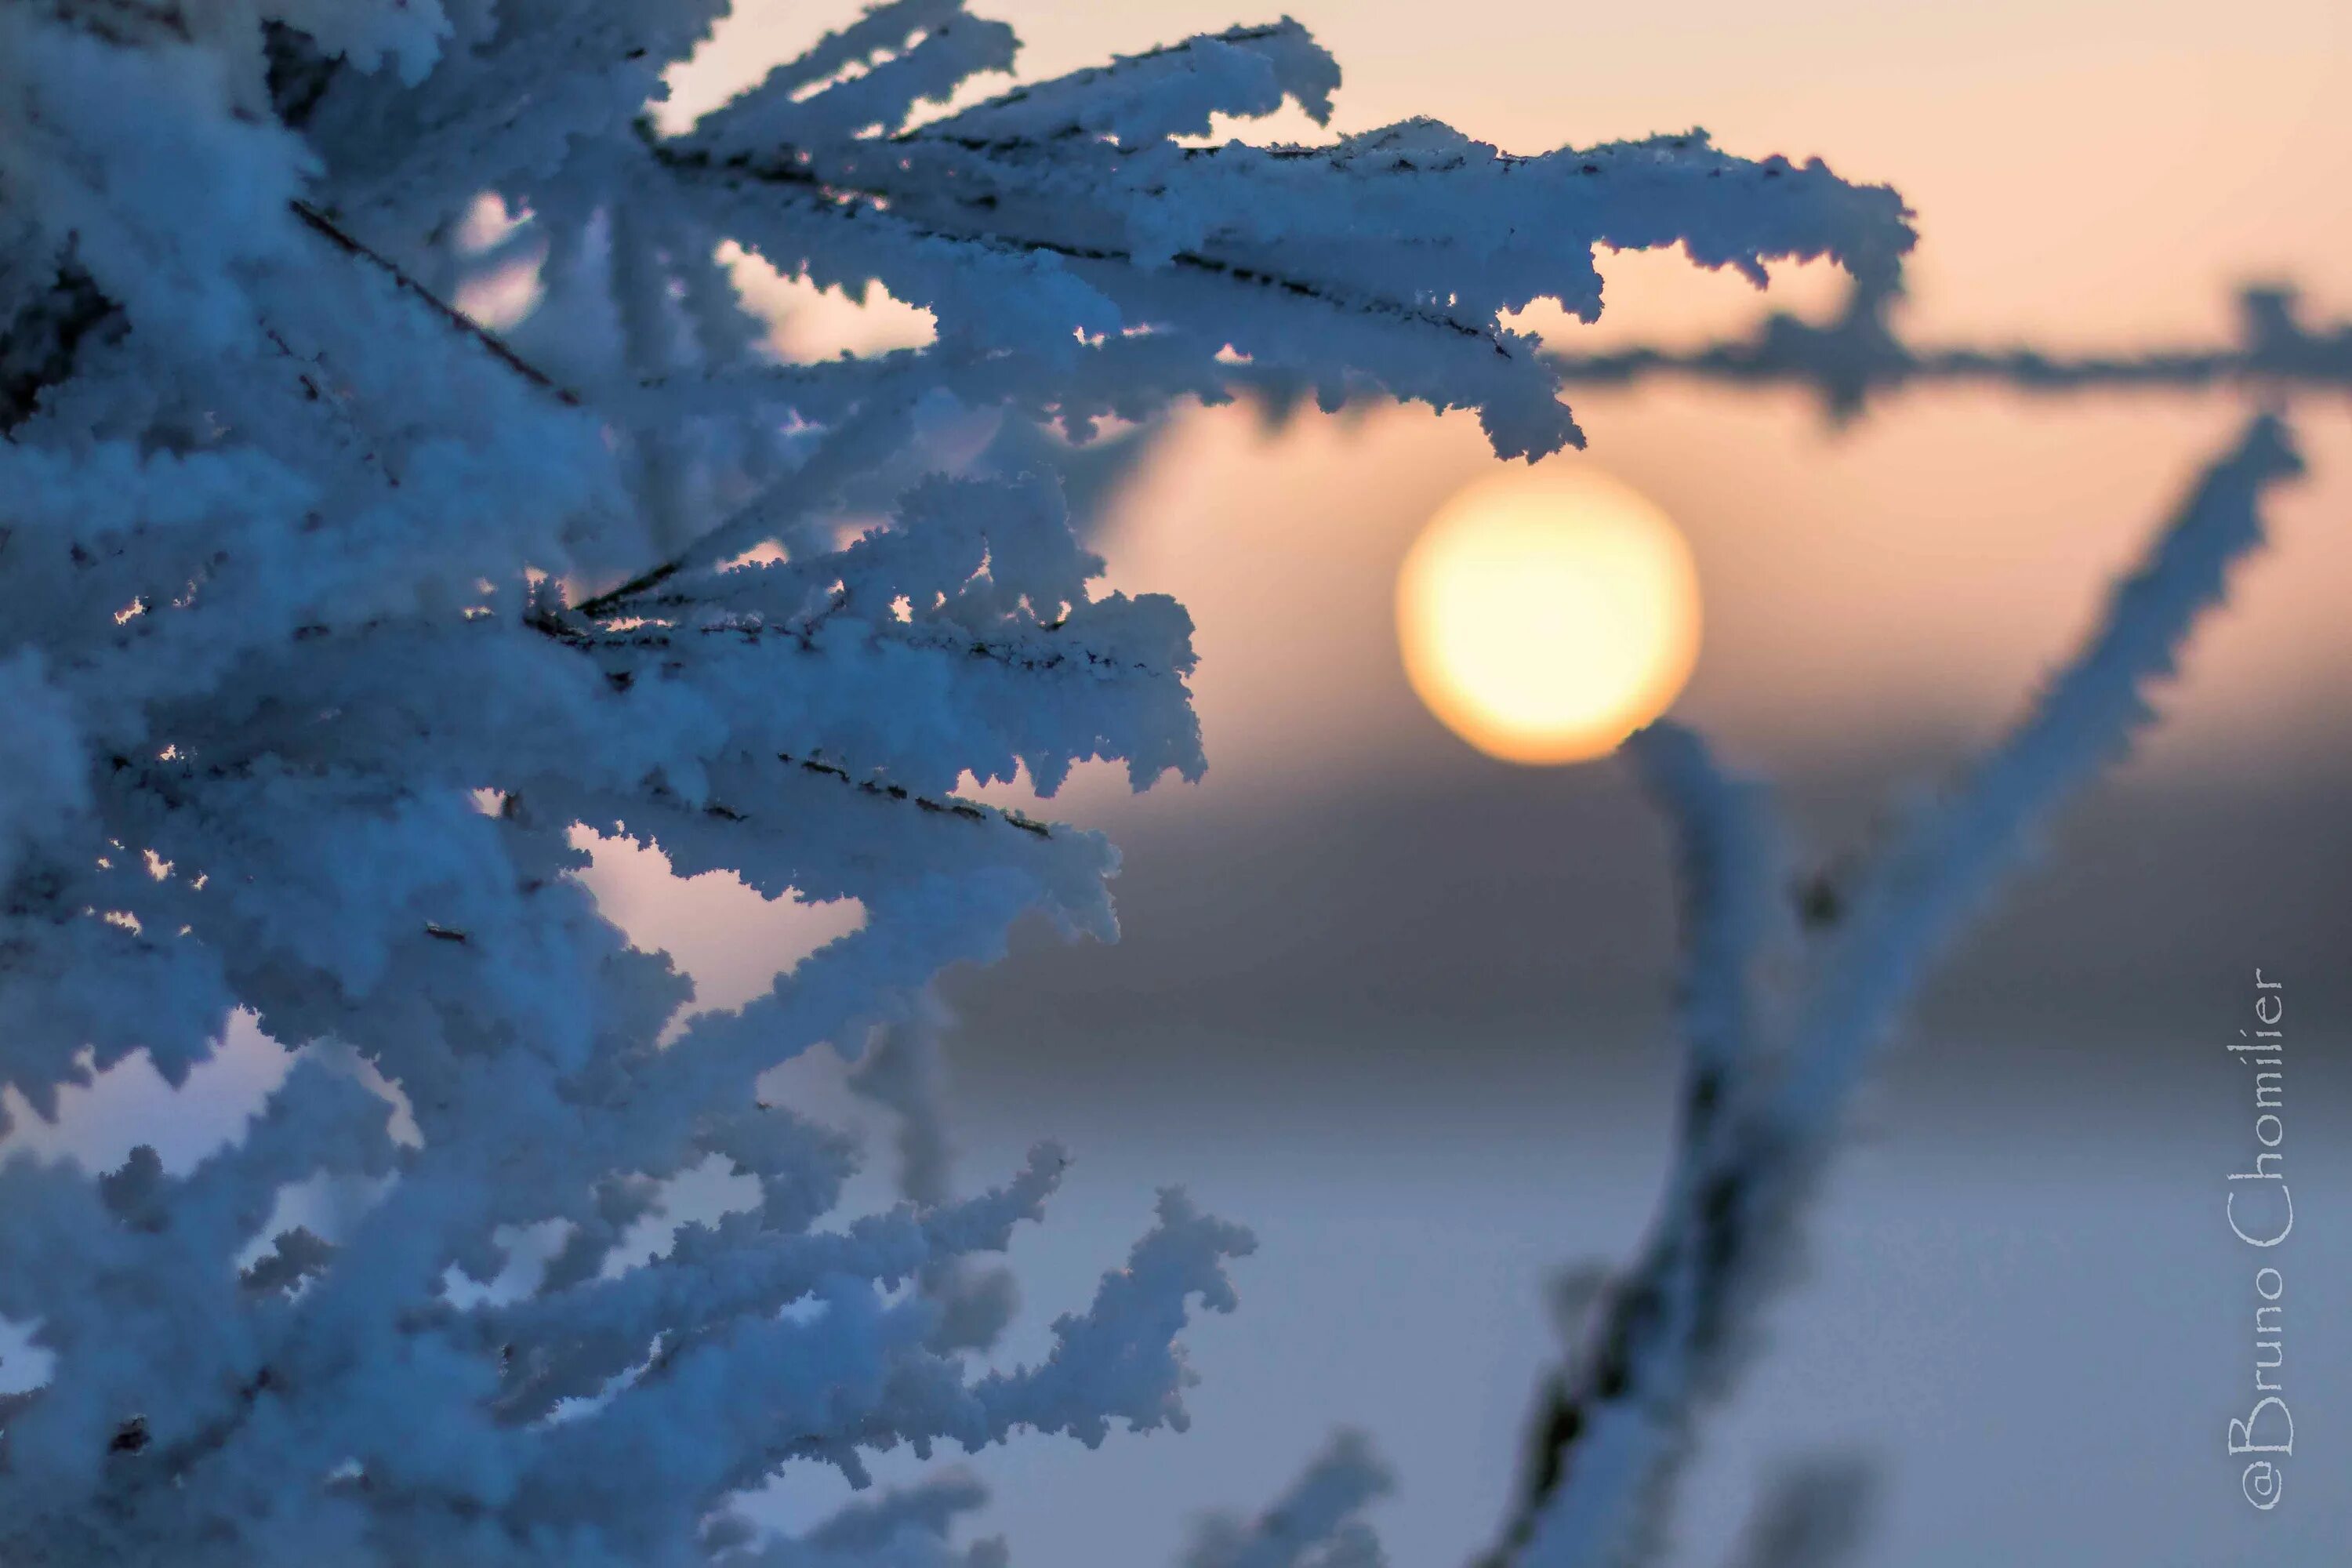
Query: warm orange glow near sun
[[1545, 615]]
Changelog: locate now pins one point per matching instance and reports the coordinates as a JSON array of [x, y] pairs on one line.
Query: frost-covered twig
[[905, 1069], [1846, 362], [1815, 1514], [312, 669], [1314, 1524], [309, 688], [458, 321], [1763, 1106]]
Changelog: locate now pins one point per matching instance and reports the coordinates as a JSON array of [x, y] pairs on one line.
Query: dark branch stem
[[342, 240]]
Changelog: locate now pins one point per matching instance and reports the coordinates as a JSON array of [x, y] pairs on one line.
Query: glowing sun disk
[[1546, 616]]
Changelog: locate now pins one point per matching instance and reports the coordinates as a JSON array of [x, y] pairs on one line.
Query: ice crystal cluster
[[330, 616]]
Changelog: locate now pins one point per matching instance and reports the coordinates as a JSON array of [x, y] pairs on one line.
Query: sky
[[2084, 175], [2086, 169]]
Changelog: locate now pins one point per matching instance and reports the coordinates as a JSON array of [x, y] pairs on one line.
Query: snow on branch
[[1816, 1514], [904, 1069], [335, 608], [1763, 1108], [1314, 1524], [1857, 356], [1164, 93], [1385, 259], [905, 1527]]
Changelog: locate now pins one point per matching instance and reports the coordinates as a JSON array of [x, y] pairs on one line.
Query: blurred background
[[1405, 1008]]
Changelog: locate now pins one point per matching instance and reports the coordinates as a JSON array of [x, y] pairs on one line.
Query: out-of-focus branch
[[1816, 1514], [1849, 361], [1765, 1104], [1313, 1524]]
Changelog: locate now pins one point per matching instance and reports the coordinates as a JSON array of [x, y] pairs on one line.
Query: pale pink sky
[[2089, 173], [2083, 168]]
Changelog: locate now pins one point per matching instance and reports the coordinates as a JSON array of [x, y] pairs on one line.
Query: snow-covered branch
[[1858, 356], [1764, 1106], [333, 614], [1313, 1524]]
